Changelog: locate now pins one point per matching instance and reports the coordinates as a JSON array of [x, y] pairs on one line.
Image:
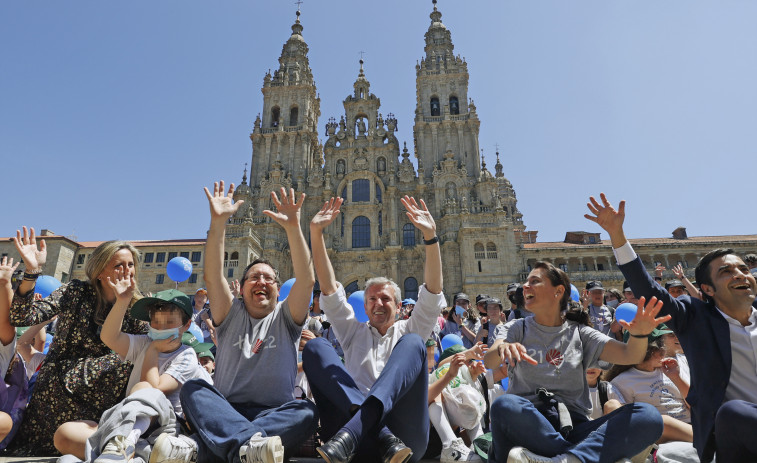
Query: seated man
[[381, 390], [251, 415], [719, 336]]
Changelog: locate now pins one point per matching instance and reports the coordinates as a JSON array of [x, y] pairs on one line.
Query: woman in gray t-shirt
[[551, 352]]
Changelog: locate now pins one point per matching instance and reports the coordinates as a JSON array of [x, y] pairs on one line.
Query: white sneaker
[[457, 451], [521, 455], [117, 450], [261, 449], [170, 449]]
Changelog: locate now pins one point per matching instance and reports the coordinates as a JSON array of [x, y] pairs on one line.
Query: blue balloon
[[626, 312], [287, 287], [358, 305], [505, 382], [451, 340], [574, 293], [196, 332], [46, 285], [179, 269], [436, 356]]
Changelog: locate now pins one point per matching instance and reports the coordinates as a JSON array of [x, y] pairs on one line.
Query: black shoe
[[393, 450], [339, 449]]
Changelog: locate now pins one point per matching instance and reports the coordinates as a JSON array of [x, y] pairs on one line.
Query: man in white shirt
[[374, 405], [719, 336]]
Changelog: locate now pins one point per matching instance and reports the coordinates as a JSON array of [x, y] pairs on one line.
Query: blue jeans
[[735, 423], [222, 427], [515, 421], [401, 388]]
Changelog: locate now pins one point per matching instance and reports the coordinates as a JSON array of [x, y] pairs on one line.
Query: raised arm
[[642, 284], [693, 290], [221, 208], [7, 332], [321, 261], [34, 259], [111, 334], [287, 214], [423, 221]]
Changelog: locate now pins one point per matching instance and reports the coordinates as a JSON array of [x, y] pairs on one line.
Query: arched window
[[491, 250], [478, 251], [435, 111], [361, 232], [408, 235], [293, 115], [361, 190], [378, 193], [234, 255], [351, 288], [454, 106], [411, 288], [275, 113], [225, 256]]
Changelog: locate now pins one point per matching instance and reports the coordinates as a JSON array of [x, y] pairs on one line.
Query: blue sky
[[114, 115]]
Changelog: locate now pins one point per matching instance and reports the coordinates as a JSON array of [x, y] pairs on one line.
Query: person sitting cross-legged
[[251, 414], [374, 406]]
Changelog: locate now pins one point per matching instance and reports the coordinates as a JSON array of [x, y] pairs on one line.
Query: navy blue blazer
[[706, 340]]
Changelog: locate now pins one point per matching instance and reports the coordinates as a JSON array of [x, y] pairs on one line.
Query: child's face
[[208, 364], [165, 320], [592, 375]]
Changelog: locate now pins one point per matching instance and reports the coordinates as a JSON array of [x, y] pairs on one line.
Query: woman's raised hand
[[26, 245], [123, 286], [646, 318]]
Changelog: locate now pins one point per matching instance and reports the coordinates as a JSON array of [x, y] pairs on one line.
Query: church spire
[[438, 38]]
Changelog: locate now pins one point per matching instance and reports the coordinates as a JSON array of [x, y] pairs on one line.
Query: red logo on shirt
[[554, 357], [258, 345]]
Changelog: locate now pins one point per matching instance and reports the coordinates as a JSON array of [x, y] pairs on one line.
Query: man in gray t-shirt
[[251, 413]]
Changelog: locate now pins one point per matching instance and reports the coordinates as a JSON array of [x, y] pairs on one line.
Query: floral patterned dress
[[81, 377]]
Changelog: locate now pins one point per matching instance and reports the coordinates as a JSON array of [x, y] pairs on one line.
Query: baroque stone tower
[[361, 160]]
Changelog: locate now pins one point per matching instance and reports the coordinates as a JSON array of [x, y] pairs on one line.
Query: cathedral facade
[[361, 160]]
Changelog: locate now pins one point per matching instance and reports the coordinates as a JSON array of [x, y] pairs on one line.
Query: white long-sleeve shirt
[[366, 351]]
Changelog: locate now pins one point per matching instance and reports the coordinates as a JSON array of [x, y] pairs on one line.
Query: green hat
[[173, 296], [190, 340], [658, 332], [450, 351], [430, 343], [206, 353]]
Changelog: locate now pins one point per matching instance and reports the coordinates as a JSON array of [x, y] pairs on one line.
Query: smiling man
[[251, 415], [719, 336], [375, 404]]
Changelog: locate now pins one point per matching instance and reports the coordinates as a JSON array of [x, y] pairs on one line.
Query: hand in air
[[222, 206], [7, 267], [646, 317], [288, 208], [327, 214], [123, 285], [26, 245]]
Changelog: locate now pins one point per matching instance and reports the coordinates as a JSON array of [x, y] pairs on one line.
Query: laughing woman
[[80, 377], [548, 352]]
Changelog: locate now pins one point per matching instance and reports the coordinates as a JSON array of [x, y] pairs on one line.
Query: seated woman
[[657, 381], [545, 414], [80, 377]]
